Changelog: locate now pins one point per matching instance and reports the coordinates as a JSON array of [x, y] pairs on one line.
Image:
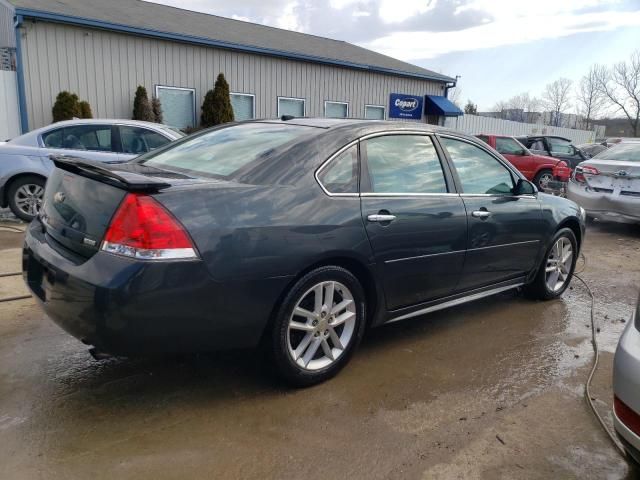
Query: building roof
[[151, 19]]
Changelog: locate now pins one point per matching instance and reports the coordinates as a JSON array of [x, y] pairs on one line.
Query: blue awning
[[440, 106]]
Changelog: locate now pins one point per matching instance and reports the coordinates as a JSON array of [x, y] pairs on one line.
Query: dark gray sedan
[[299, 233]]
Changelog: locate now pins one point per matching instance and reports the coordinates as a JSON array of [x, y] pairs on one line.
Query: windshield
[[222, 152], [629, 152]]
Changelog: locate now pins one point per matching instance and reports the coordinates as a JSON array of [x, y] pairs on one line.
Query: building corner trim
[[22, 97]]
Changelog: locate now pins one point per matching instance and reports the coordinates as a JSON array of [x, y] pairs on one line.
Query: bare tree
[[520, 108], [621, 85], [556, 98], [589, 97]]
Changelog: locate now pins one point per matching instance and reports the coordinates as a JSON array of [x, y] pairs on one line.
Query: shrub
[[84, 109], [216, 108], [66, 106], [141, 106], [156, 107]]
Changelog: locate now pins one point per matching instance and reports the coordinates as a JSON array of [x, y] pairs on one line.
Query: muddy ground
[[492, 389]]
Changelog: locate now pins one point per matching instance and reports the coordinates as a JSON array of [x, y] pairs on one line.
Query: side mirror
[[524, 187]]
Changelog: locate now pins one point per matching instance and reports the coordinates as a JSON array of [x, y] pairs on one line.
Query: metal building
[[102, 50]]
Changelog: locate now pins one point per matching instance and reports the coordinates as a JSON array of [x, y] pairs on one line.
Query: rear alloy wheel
[[319, 325], [554, 275], [542, 180], [25, 196]]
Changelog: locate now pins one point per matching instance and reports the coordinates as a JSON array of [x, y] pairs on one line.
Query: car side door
[[414, 218], [134, 141], [90, 141], [505, 230]]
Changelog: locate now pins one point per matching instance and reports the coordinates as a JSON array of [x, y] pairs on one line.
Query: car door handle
[[481, 214], [379, 217]]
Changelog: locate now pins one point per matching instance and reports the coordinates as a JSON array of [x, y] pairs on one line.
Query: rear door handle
[[481, 214], [379, 217]]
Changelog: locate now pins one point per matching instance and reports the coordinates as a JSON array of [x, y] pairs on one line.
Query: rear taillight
[[626, 415], [142, 228], [582, 171]]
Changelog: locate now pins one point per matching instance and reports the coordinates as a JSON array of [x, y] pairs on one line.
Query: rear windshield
[[629, 152], [221, 153]]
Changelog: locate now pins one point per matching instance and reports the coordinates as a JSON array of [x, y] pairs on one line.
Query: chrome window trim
[[400, 194], [335, 102], [303, 100], [253, 102]]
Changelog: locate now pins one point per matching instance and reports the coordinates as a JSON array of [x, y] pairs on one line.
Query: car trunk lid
[[82, 196], [614, 177]]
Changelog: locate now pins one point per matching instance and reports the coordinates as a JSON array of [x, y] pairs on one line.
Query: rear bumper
[[605, 206], [124, 306], [626, 383]]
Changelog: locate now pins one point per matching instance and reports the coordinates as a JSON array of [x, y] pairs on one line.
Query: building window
[[244, 106], [374, 112], [336, 109], [291, 106], [178, 106]]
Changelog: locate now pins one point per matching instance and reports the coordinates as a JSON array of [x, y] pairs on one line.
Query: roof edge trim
[[88, 22]]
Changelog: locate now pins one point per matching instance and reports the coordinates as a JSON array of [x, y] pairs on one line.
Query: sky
[[499, 48]]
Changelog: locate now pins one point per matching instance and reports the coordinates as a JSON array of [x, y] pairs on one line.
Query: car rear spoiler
[[113, 174]]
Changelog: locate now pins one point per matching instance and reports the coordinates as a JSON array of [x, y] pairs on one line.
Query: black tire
[[13, 188], [538, 288], [542, 174], [286, 366]]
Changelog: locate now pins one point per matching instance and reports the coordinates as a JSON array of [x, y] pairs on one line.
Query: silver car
[[626, 386], [607, 186], [25, 164]]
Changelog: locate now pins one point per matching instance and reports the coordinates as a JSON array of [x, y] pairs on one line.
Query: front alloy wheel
[[318, 325]]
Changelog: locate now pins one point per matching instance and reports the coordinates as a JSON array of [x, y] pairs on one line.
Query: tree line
[[604, 90]]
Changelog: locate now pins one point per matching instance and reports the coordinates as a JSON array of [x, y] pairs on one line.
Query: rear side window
[[404, 164], [222, 152], [341, 174], [80, 137], [479, 172]]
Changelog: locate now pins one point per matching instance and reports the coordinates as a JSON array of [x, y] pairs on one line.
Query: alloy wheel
[[559, 264], [543, 181], [321, 325], [28, 198]]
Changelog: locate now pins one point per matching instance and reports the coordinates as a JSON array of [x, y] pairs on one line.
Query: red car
[[536, 168]]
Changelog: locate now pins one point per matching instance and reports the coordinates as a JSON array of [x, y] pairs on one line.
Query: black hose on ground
[[12, 229], [12, 274], [587, 387], [11, 299]]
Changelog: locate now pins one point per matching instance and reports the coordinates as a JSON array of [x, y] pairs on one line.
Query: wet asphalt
[[492, 389]]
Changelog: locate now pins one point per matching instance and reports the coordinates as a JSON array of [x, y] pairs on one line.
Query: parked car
[[536, 168], [626, 386], [608, 185], [298, 233], [25, 164], [590, 150], [556, 147]]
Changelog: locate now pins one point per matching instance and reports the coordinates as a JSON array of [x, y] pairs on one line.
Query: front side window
[[243, 105], [178, 106], [291, 106], [374, 112], [404, 164], [479, 172], [509, 146], [136, 140], [336, 109], [341, 174], [80, 137], [222, 152]]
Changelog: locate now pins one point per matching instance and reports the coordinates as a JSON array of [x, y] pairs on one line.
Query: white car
[[25, 163]]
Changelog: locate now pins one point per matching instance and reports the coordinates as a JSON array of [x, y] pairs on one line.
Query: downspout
[[22, 97]]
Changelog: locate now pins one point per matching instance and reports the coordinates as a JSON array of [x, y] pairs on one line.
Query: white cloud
[[539, 24], [394, 11]]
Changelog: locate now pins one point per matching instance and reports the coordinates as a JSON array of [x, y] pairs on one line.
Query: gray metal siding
[[105, 68], [7, 31]]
